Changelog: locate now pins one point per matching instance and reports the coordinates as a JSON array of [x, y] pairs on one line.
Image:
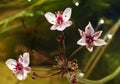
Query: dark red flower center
[[89, 40], [59, 18], [19, 66]]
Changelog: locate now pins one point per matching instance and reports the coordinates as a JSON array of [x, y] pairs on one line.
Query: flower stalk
[[63, 43], [77, 50]]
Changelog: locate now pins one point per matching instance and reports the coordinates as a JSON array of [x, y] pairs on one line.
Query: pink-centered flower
[[90, 38], [60, 20], [20, 68]]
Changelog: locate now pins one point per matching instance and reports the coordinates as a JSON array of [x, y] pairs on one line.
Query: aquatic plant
[[64, 65]]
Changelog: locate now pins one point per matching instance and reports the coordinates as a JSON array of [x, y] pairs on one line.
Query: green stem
[[14, 27], [95, 61], [14, 4], [86, 81], [13, 17], [92, 57], [111, 76], [103, 80]]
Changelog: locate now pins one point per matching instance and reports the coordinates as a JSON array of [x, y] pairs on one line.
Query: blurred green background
[[23, 27]]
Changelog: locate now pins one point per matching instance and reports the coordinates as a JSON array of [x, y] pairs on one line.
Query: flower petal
[[20, 59], [89, 29], [53, 27], [21, 75], [27, 69], [89, 47], [26, 59], [60, 27], [81, 42], [67, 14], [50, 17], [11, 64], [97, 34], [99, 42], [81, 32], [67, 23]]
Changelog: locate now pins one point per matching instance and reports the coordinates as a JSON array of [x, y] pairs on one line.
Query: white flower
[[60, 20], [20, 68], [90, 38]]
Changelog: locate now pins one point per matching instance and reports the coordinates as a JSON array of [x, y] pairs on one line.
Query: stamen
[[19, 66]]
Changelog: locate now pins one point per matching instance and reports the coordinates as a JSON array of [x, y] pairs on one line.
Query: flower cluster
[[64, 66]]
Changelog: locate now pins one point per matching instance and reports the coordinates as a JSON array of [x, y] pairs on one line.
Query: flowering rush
[[20, 68], [60, 20], [90, 38]]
